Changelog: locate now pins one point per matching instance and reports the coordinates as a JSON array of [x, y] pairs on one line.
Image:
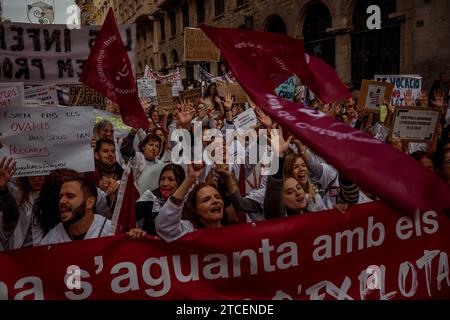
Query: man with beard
[[107, 172], [77, 200]]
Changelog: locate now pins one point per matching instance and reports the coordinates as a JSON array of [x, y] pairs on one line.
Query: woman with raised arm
[[203, 208]]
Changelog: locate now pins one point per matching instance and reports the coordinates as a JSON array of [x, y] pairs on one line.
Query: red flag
[[275, 58], [384, 171], [124, 217], [108, 70]]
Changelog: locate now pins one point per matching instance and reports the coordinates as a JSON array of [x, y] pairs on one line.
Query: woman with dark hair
[[150, 202], [27, 232], [442, 161], [424, 159], [211, 98], [164, 153], [203, 208]]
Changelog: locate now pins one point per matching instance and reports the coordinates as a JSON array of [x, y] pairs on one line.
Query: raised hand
[[424, 99], [137, 234], [438, 99], [185, 113], [279, 145], [7, 170], [263, 118], [409, 100], [229, 100], [195, 170]]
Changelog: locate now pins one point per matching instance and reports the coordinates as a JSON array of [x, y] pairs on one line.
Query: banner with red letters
[[370, 252]]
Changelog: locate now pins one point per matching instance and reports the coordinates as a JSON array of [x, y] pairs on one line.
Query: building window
[[162, 29], [374, 51], [275, 24], [173, 23], [220, 7], [185, 11], [318, 42], [200, 11], [241, 2]]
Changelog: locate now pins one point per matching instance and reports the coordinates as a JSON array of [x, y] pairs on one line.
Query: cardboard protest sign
[[402, 83], [415, 124], [198, 47], [372, 95], [246, 120], [191, 95], [47, 95], [43, 139], [38, 54], [11, 95], [286, 90], [234, 89], [85, 96], [164, 96], [146, 87]]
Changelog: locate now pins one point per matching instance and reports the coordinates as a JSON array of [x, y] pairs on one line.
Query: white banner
[[11, 95], [47, 95], [43, 139], [39, 54]]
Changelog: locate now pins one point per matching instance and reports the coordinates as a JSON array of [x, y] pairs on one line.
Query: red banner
[[379, 168], [371, 252], [108, 70]]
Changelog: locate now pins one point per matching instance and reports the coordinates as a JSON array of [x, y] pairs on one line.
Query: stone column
[[343, 52]]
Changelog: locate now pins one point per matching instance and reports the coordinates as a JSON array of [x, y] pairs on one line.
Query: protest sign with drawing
[[198, 47], [372, 95], [146, 88], [11, 94], [47, 95], [402, 85], [415, 124], [43, 139]]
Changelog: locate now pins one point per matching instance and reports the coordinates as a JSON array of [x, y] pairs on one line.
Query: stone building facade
[[414, 38]]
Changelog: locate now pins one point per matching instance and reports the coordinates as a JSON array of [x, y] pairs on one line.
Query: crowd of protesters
[[67, 205]]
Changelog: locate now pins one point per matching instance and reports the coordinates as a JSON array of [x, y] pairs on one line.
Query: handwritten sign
[[191, 95], [85, 96], [415, 124], [11, 95], [43, 139], [177, 87], [164, 96], [402, 83], [286, 90], [246, 120], [47, 95], [372, 95], [38, 54], [198, 47]]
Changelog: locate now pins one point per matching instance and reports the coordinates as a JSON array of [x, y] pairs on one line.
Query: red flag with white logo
[[108, 70]]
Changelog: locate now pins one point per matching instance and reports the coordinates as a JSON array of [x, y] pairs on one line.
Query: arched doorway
[[164, 68], [275, 24], [318, 42], [175, 60], [374, 51]]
